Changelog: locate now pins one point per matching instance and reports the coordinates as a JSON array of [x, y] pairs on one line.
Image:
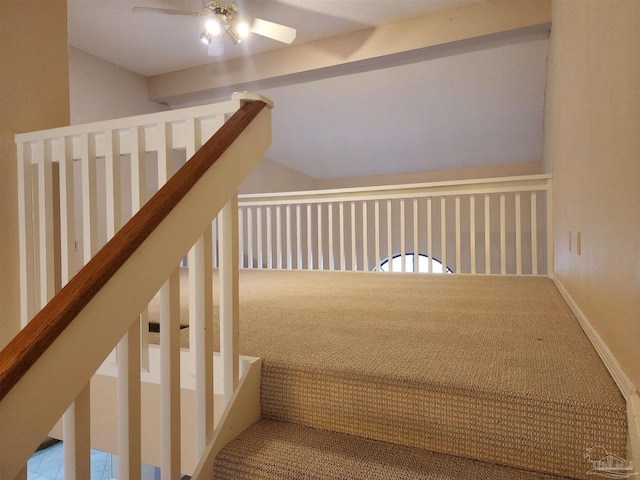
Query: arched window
[[423, 264]]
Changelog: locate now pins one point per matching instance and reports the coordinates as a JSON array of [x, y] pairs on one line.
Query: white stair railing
[[62, 345], [487, 226]]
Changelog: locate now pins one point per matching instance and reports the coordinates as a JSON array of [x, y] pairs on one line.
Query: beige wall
[[434, 176], [592, 146], [34, 95], [270, 176], [101, 90]]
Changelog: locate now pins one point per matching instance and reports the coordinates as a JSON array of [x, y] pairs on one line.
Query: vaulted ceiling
[[367, 88]]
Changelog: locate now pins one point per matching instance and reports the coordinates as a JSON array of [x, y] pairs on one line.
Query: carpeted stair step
[[281, 451], [530, 433]]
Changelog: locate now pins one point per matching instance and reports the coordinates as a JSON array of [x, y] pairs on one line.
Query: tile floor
[[47, 464]]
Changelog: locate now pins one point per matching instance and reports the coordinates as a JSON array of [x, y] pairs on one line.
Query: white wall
[[100, 90], [592, 146]]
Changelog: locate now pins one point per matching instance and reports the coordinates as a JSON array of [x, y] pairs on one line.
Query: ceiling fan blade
[[216, 48], [167, 11], [276, 31]]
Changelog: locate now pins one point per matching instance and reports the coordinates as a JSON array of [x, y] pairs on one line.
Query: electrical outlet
[[579, 243]]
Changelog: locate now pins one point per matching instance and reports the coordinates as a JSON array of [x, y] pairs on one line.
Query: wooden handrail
[[32, 341]]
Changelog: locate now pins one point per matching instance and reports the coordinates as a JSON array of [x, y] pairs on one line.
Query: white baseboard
[[628, 389]]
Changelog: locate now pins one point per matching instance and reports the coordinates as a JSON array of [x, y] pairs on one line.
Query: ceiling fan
[[224, 19]]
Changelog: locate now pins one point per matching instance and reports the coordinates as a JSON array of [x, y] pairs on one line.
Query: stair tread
[[280, 450]]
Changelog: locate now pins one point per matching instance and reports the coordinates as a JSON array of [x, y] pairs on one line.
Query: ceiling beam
[[372, 46]]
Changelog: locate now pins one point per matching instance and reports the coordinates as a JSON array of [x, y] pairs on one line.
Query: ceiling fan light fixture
[[224, 19], [205, 37], [242, 29], [213, 27], [233, 33]]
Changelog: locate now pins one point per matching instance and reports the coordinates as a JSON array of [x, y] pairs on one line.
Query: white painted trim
[[627, 388], [251, 97], [182, 114], [529, 182]]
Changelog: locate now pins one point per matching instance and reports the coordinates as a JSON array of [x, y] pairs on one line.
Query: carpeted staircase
[[271, 449], [405, 376], [322, 425]]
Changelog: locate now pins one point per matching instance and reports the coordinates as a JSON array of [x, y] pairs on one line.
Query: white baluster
[[279, 236], [299, 237], [429, 235], [534, 234], [26, 234], [129, 405], [416, 246], [229, 296], [259, 234], [76, 434], [518, 234], [201, 342], [214, 228], [443, 233], [250, 236], [503, 239], [320, 246], [309, 241], [365, 237], [288, 231], [170, 440], [89, 197], [77, 419], [269, 239], [64, 153], [241, 237], [472, 231], [354, 255], [403, 248], [330, 227], [376, 218], [128, 349], [487, 234], [42, 156], [342, 254], [389, 238], [458, 247], [138, 198]]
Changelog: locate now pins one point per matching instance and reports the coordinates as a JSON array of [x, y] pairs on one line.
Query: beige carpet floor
[[491, 368]]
